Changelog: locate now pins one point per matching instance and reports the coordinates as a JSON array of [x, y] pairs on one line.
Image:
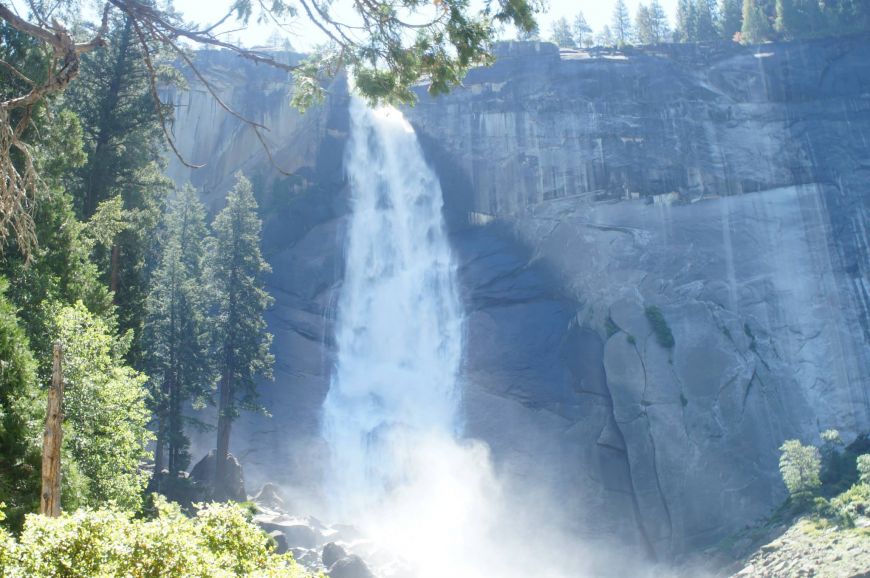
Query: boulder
[[232, 487], [269, 496], [280, 541], [350, 567], [332, 553]]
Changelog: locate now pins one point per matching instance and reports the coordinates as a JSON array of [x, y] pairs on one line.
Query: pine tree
[[705, 27], [124, 148], [687, 22], [176, 328], [800, 466], [241, 342], [659, 22], [756, 27], [582, 30], [562, 36], [798, 18], [730, 18], [643, 29], [621, 23]]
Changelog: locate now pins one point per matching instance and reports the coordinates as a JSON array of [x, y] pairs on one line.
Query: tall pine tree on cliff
[[237, 270]]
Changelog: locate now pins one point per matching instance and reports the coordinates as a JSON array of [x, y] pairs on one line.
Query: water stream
[[399, 329]]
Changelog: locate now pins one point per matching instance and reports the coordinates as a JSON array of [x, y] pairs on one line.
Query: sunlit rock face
[[729, 187]]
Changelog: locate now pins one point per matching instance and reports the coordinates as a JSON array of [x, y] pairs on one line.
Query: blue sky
[[303, 35]]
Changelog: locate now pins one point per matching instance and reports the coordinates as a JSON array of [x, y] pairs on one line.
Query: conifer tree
[[124, 150], [643, 27], [730, 18], [687, 22], [20, 417], [756, 27], [659, 22], [621, 23], [176, 328], [582, 30], [562, 36], [237, 270], [798, 18], [705, 27]]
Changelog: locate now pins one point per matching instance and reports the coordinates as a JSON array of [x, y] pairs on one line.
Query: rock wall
[[599, 202]]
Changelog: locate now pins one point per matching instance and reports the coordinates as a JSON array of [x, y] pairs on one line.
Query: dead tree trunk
[[51, 441]]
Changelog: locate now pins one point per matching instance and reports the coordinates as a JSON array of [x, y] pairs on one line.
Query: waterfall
[[399, 321]]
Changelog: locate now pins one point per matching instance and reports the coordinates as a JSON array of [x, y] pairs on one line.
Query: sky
[[304, 36]]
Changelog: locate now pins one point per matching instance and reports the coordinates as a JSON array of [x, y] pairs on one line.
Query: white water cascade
[[427, 499], [399, 319]]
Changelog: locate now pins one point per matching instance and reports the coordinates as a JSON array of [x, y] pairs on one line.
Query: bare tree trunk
[[51, 442], [223, 435]]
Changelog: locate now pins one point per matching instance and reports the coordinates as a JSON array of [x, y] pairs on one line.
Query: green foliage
[[853, 502], [176, 329], [105, 411], [800, 466], [237, 270], [120, 187], [863, 465], [20, 415], [386, 62], [730, 19], [660, 327], [651, 24], [218, 542], [798, 18], [756, 25]]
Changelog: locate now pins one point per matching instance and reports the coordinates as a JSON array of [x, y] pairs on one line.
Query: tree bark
[[223, 435], [52, 439]]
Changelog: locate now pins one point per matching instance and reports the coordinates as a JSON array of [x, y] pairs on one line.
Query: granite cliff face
[[598, 203]]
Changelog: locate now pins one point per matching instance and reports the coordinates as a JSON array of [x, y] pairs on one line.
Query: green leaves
[[219, 542], [800, 466], [106, 415], [176, 335], [406, 42], [237, 270], [19, 416]]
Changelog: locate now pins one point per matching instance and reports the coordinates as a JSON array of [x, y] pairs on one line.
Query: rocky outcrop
[[599, 202], [805, 549]]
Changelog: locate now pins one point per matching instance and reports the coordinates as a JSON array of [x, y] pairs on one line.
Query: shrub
[[106, 423], [218, 542], [22, 412], [853, 502], [660, 327], [863, 463], [800, 466]]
